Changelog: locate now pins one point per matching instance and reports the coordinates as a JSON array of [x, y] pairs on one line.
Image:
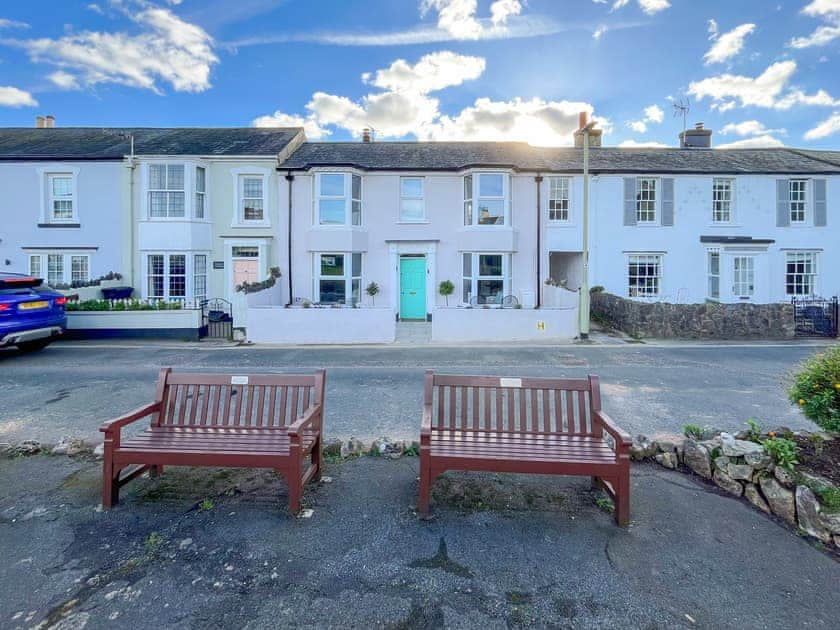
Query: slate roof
[[446, 156], [95, 143]]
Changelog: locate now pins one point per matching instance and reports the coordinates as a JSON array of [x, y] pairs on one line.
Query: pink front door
[[245, 271]]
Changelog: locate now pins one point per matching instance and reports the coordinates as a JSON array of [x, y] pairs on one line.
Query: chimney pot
[[582, 120], [366, 136], [698, 126], [40, 122], [49, 121], [697, 138]]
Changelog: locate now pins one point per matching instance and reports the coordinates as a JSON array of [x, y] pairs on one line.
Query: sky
[[760, 73]]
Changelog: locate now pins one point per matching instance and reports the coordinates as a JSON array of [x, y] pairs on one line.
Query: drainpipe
[[538, 180], [584, 286], [290, 178], [132, 165]]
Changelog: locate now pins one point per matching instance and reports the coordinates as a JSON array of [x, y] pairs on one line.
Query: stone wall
[[695, 321]]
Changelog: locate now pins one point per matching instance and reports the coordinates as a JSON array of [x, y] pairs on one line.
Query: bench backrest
[[516, 405], [229, 400]]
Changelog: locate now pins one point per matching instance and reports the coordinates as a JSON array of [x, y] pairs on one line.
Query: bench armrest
[[132, 416], [309, 417], [622, 438]]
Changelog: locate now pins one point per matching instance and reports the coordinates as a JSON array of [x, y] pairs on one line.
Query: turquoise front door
[[413, 288]]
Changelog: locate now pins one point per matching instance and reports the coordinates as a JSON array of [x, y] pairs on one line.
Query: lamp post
[[584, 284]]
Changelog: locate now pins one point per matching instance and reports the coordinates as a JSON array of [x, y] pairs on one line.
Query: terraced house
[[192, 213]]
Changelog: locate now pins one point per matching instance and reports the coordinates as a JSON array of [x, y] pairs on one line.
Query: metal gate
[[216, 319], [815, 317]]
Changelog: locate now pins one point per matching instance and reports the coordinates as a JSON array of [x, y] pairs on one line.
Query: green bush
[[782, 451], [121, 305], [816, 389], [693, 431]]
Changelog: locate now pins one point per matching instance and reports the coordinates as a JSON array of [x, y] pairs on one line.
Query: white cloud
[[166, 49], [14, 97], [64, 80], [405, 107], [650, 7], [749, 128], [765, 90], [501, 10], [758, 142], [598, 33], [633, 144], [713, 29], [433, 72], [729, 44], [826, 128], [829, 11], [6, 23], [458, 17], [653, 114]]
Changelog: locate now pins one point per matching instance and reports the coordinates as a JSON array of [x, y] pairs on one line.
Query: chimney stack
[[49, 121], [697, 138], [40, 122], [367, 136], [594, 134]]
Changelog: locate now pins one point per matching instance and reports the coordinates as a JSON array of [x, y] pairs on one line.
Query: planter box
[[95, 292], [180, 324], [321, 325], [502, 325]]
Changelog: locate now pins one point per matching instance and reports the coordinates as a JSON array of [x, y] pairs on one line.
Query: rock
[[758, 460], [780, 499], [5, 448], [27, 447], [727, 483], [722, 462], [386, 448], [332, 448], [831, 522], [638, 452], [669, 443], [68, 446], [743, 472], [784, 477], [185, 543], [668, 460], [815, 481], [837, 540], [99, 451], [696, 457], [808, 513], [743, 434], [645, 446], [738, 448], [709, 433], [752, 495], [352, 447], [780, 431]]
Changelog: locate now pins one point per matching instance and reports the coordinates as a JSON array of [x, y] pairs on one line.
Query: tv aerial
[[682, 108]]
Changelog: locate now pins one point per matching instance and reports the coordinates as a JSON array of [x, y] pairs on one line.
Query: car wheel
[[33, 346]]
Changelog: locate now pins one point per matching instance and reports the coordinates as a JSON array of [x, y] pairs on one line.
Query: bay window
[[486, 199], [200, 277], [338, 278], [166, 191], [339, 199], [486, 278], [166, 276]]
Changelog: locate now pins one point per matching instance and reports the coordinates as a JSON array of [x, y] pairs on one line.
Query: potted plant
[[372, 289], [446, 289]]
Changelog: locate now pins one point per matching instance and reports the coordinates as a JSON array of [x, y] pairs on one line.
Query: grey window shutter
[[668, 201], [820, 205], [629, 201], [782, 203]]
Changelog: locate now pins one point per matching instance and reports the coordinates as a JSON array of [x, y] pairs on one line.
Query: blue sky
[[759, 72]]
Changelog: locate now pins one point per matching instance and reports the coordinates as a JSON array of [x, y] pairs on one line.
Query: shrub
[[754, 430], [446, 289], [816, 389], [372, 289], [782, 451], [597, 289], [123, 305], [693, 431], [255, 287]]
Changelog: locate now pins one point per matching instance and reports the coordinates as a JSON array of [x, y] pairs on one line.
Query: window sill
[[250, 224], [59, 225], [724, 225], [419, 222], [561, 224]]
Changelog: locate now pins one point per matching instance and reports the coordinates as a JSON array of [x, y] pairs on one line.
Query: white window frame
[[797, 281], [711, 275], [45, 176], [200, 194], [52, 198], [352, 276], [743, 276], [798, 197], [353, 205], [472, 205], [167, 191], [66, 259], [644, 258], [239, 174], [474, 276], [639, 192], [35, 270], [199, 277], [421, 199], [719, 202], [559, 194], [167, 276], [249, 202]]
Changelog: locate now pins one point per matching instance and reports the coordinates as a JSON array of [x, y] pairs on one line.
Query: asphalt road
[[201, 548], [70, 388]]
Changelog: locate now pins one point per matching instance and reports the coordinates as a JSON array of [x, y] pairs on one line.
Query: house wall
[[684, 257], [101, 213]]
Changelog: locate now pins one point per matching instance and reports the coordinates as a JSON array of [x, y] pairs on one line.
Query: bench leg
[[155, 471], [295, 492], [622, 498], [425, 487], [318, 459], [110, 485]]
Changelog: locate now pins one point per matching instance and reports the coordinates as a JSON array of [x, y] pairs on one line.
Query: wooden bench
[[254, 421], [527, 425]]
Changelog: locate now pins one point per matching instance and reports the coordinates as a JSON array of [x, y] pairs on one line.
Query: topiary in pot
[[372, 289], [446, 289]]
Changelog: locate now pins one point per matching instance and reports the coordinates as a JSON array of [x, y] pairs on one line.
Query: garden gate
[[216, 319], [815, 317]]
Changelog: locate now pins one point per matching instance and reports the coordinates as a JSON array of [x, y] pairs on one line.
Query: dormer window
[[339, 199], [486, 199]]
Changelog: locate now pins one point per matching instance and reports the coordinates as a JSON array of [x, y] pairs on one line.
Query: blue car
[[31, 313]]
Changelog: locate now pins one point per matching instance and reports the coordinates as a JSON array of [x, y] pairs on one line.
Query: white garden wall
[[504, 325], [321, 325], [175, 324]]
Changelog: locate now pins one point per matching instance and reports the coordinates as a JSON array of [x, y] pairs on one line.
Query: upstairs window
[[722, 200], [486, 199], [200, 191], [468, 200], [251, 199], [412, 199], [797, 189], [166, 191], [645, 200], [339, 199], [644, 275], [61, 198], [558, 199], [800, 273]]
